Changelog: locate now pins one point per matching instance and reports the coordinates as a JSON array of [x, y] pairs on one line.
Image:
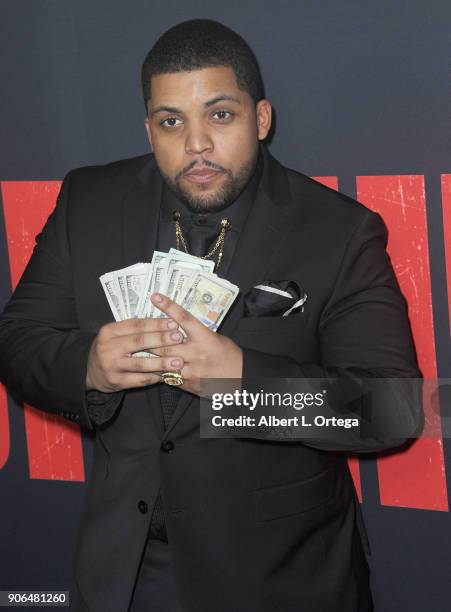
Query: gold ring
[[173, 379]]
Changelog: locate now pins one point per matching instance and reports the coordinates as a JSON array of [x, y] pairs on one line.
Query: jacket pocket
[[294, 497]]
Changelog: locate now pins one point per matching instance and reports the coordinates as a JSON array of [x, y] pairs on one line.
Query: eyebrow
[[215, 100], [220, 98]]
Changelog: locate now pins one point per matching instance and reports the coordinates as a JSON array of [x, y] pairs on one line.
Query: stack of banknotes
[[186, 279]]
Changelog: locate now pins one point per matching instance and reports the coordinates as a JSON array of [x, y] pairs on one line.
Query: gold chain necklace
[[219, 243]]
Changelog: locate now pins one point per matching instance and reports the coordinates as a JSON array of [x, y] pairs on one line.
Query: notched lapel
[[265, 232], [140, 213]]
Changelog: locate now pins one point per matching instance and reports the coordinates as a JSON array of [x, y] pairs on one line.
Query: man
[[173, 521]]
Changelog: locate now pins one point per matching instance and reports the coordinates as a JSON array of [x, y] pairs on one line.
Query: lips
[[202, 176]]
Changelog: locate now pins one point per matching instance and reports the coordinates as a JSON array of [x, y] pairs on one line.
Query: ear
[[147, 126], [264, 115]]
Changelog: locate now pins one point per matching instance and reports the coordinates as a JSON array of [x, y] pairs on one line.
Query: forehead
[[194, 85]]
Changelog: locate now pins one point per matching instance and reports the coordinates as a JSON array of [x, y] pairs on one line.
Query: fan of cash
[[186, 279]]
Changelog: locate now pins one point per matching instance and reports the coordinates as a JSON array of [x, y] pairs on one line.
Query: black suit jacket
[[255, 526]]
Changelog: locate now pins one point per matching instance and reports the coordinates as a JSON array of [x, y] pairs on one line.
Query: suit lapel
[[267, 226], [262, 237], [140, 215], [269, 222]]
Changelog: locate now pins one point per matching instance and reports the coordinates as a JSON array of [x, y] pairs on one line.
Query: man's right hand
[[111, 366]]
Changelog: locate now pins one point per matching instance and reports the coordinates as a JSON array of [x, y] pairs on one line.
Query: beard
[[225, 195]]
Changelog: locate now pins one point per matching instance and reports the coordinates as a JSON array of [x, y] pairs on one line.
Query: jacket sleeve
[[43, 352], [363, 333]]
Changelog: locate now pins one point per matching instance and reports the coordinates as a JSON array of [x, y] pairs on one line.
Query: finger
[[146, 365], [143, 341], [185, 319], [131, 381], [138, 326], [186, 351]]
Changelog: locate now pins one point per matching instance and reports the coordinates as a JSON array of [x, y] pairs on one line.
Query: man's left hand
[[206, 354]]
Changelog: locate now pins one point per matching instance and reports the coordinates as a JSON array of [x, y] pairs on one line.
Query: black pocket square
[[274, 298]]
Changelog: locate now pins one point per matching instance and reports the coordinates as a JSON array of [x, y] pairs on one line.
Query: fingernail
[[176, 363], [176, 336], [172, 324], [157, 297]]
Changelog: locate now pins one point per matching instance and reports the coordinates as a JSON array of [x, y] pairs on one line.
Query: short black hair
[[203, 43]]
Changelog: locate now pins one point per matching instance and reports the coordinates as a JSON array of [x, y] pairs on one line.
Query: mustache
[[204, 164]]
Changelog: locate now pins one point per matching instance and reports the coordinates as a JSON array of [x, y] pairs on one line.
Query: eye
[[223, 115], [170, 122]]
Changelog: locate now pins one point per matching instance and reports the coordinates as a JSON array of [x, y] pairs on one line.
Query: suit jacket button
[[167, 446], [143, 507]]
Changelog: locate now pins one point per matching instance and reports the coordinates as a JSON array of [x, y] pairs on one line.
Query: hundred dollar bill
[[123, 294], [156, 286], [182, 284], [172, 275], [120, 278], [145, 307], [143, 296], [209, 299], [207, 264], [111, 287], [135, 280], [191, 262], [175, 267], [179, 263], [112, 291], [186, 279], [172, 267], [158, 279]]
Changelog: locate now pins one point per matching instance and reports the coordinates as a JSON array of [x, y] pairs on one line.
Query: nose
[[198, 140]]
